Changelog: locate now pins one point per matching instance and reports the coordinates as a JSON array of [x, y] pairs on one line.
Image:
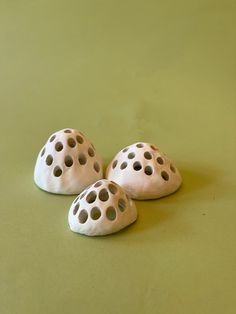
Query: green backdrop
[[120, 71]]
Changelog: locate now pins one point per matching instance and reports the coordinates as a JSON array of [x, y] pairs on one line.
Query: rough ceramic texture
[[101, 209], [144, 172], [67, 163]]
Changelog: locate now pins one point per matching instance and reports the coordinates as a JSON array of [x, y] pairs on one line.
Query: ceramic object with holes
[[67, 163], [144, 172], [101, 209]]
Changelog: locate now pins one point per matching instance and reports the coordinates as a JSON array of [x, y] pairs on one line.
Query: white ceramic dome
[[101, 209], [144, 172], [67, 163]]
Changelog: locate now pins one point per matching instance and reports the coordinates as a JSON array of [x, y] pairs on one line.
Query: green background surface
[[121, 72]]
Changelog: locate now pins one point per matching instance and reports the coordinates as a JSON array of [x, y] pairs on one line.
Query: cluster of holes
[[139, 145], [103, 196], [148, 170], [71, 142], [95, 212], [69, 161], [137, 165]]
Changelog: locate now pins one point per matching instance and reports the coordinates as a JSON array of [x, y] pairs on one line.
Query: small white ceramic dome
[[144, 172], [67, 163], [101, 209]]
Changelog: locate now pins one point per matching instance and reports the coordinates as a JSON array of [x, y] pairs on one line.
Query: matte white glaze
[[144, 172], [67, 163], [101, 209]]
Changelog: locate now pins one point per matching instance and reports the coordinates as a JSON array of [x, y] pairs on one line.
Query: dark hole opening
[[148, 170], [103, 195], [137, 166], [165, 175], [58, 146], [111, 213], [57, 171], [49, 160], [83, 216]]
